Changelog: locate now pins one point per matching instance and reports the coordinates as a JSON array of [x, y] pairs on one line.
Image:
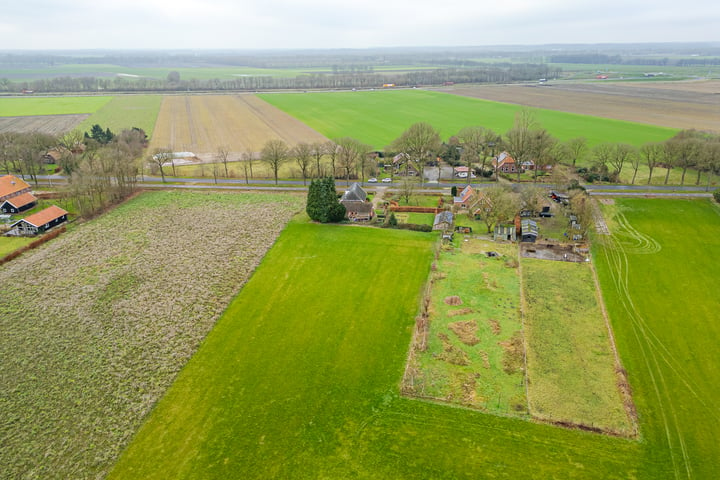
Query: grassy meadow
[[571, 366], [379, 117], [658, 272], [10, 244], [300, 379], [29, 106]]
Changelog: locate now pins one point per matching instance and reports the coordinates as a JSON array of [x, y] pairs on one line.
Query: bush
[[716, 195]]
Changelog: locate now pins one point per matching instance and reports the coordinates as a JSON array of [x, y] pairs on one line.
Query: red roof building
[[39, 222], [11, 186]]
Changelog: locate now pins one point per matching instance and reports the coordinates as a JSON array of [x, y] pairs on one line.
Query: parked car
[[372, 180], [387, 180]]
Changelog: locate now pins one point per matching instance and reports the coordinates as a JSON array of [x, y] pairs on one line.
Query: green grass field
[[570, 362], [29, 106], [10, 244], [126, 111], [300, 379], [379, 117], [474, 354], [659, 277]]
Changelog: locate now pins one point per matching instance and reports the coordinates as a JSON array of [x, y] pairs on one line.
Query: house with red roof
[[39, 222], [504, 163], [15, 196]]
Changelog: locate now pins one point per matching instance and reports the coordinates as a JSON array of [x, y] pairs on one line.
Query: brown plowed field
[[52, 124], [203, 123], [669, 104]]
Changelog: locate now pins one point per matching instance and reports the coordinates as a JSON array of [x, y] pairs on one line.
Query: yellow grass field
[[203, 123]]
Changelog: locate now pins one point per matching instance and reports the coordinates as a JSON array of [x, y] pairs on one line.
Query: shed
[[39, 222], [18, 203], [443, 221], [529, 230], [505, 233]]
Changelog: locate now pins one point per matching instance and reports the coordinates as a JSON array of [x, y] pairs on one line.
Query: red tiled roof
[[44, 216], [10, 184], [21, 200]]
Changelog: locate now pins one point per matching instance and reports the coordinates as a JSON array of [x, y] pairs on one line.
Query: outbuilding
[[39, 222], [529, 230]]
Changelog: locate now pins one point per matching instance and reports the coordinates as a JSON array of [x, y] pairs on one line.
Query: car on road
[[372, 180], [387, 180]]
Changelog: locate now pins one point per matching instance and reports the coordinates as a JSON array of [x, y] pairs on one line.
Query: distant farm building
[[505, 233], [444, 221], [356, 203], [39, 222], [504, 163], [465, 198]]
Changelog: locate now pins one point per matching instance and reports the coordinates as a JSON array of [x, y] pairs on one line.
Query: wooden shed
[[39, 222]]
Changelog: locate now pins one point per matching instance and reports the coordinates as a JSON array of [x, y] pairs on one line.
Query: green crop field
[[10, 244], [126, 111], [29, 106], [659, 276], [379, 117]]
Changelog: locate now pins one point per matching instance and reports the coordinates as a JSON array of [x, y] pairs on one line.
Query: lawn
[[658, 271], [379, 117], [126, 111], [10, 244], [29, 106], [300, 379]]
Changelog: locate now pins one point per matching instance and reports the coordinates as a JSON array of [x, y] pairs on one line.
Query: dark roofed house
[[443, 221], [39, 222], [18, 203], [357, 206]]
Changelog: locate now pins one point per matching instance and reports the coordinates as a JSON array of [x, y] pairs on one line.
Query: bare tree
[[303, 154], [478, 144], [275, 153], [635, 160], [686, 147], [602, 155], [247, 161], [499, 205], [159, 157], [349, 151], [318, 150], [620, 152], [223, 154], [331, 149], [542, 149], [668, 158], [575, 149], [711, 158], [518, 140], [420, 143], [651, 153]]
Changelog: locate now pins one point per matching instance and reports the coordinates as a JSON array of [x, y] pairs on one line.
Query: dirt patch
[[465, 331], [50, 124], [552, 251], [452, 354], [486, 360], [607, 201], [513, 354], [494, 326], [461, 311], [453, 300]]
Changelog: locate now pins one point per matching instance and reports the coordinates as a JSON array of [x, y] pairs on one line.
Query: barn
[[39, 222]]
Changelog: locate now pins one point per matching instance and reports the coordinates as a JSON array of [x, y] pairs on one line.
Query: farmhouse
[[356, 203], [465, 199], [443, 221], [39, 222], [18, 203], [504, 163], [11, 186]]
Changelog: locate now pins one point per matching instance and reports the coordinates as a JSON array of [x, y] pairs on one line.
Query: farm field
[[679, 105], [573, 374], [659, 278], [326, 403], [472, 352], [51, 124], [378, 117], [32, 106], [124, 112], [97, 323], [203, 123]]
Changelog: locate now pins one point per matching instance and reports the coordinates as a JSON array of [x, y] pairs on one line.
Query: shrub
[[716, 195]]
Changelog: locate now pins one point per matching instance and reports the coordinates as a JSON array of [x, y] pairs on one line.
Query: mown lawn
[[10, 244], [300, 379], [379, 117], [659, 277]]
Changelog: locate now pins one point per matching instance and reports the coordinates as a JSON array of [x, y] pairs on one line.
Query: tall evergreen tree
[[322, 202]]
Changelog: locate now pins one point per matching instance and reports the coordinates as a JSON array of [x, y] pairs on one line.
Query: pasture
[[659, 280], [97, 323], [31, 106], [241, 123], [379, 117], [276, 392], [124, 112]]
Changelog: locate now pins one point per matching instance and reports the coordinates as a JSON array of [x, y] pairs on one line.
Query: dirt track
[[670, 104], [204, 123]]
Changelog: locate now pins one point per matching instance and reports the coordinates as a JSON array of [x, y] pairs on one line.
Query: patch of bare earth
[[460, 311], [50, 124], [451, 353], [453, 300], [679, 105], [466, 331], [513, 353]]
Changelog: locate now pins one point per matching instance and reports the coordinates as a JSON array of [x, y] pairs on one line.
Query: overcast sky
[[154, 24]]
